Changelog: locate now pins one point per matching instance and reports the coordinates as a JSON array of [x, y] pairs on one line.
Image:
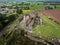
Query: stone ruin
[[30, 19]]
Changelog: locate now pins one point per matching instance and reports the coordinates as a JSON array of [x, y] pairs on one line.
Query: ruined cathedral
[[30, 19]]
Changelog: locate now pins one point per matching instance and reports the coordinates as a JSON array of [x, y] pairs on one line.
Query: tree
[[2, 17], [26, 8], [3, 20], [11, 18], [1, 26], [18, 10]]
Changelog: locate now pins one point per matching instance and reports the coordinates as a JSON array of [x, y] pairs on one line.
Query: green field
[[48, 30], [27, 11], [11, 34], [36, 6]]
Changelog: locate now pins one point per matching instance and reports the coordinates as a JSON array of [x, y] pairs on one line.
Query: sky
[[27, 0]]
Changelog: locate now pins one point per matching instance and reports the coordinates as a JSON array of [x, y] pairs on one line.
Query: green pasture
[[27, 11], [48, 30], [36, 6]]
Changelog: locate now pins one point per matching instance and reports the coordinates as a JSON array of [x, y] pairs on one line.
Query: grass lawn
[[48, 30], [27, 11]]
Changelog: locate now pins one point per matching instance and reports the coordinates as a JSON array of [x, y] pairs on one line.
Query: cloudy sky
[[30, 0]]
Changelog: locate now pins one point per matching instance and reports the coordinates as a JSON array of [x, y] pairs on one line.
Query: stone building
[[30, 19]]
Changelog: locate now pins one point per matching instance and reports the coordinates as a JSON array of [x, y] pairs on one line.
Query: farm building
[[6, 10], [50, 7]]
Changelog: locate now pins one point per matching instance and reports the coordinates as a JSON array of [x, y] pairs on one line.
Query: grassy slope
[[12, 26], [48, 30]]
